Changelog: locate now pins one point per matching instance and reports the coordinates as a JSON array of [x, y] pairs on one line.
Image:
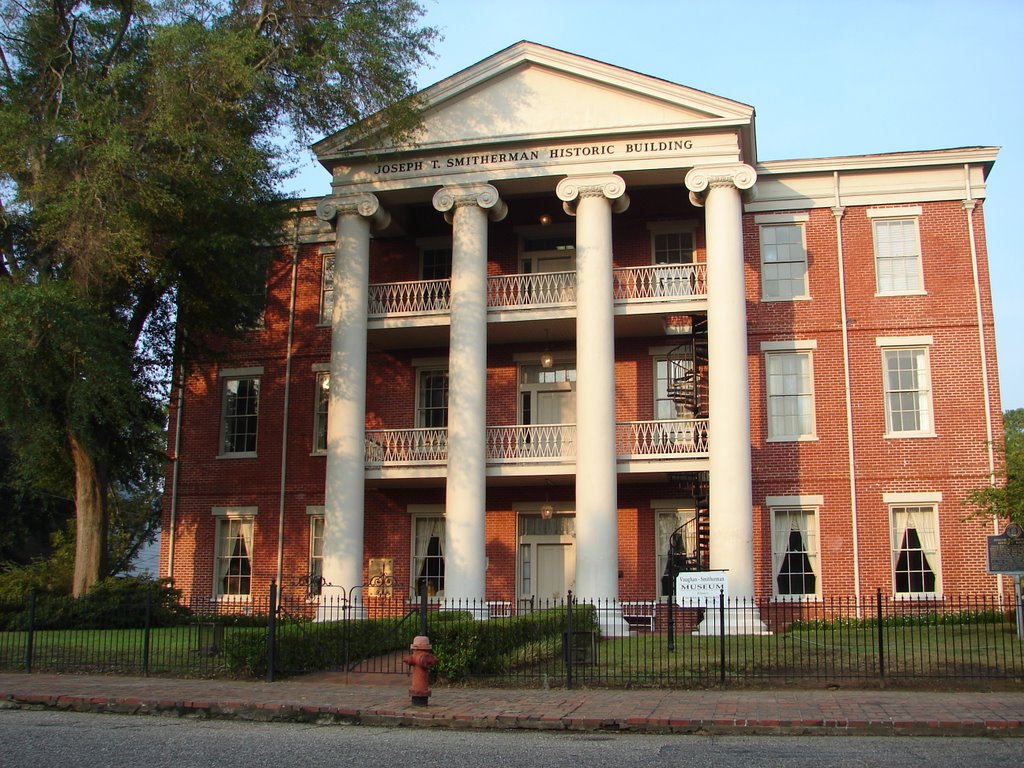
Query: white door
[[555, 407], [547, 566], [556, 570]]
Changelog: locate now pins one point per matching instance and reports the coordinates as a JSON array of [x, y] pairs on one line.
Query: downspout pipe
[[969, 205], [287, 404], [176, 463], [837, 211]]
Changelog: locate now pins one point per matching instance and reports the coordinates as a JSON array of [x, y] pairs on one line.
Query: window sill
[[888, 294], [790, 599], [241, 599], [919, 597], [780, 299], [793, 439], [910, 435], [245, 455], [318, 453]]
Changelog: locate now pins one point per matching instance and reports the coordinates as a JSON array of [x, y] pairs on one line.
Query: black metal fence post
[[423, 607], [881, 633], [272, 632], [567, 643], [721, 636], [31, 630], [145, 633]]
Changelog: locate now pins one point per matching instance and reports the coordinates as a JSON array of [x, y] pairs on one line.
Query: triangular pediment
[[531, 92]]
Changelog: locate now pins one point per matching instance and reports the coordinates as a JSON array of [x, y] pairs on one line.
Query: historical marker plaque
[[1006, 551]]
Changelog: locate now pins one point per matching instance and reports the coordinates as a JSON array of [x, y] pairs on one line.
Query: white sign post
[[701, 587]]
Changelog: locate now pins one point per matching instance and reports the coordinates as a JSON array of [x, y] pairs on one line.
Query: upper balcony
[[530, 451], [639, 293]]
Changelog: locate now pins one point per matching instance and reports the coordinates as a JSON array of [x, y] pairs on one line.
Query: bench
[[639, 613]]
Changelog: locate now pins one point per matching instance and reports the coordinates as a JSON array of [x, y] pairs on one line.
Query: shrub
[[466, 648], [113, 603]]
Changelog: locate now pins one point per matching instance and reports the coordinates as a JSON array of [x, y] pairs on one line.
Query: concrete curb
[[424, 717]]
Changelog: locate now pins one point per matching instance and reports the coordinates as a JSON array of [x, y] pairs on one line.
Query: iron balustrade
[[654, 282], [540, 443]]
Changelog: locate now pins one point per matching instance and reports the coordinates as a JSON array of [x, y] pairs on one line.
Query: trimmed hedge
[[467, 648], [317, 646], [114, 603]]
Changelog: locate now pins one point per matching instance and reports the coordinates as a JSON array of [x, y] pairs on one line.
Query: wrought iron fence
[[538, 643]]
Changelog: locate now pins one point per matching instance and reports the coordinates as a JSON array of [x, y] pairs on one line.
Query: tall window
[[240, 415], [908, 392], [790, 395], [322, 398], [675, 247], [915, 550], [668, 521], [432, 398], [436, 264], [428, 554], [327, 289], [316, 554], [795, 552], [783, 262], [897, 250], [234, 556], [675, 392]]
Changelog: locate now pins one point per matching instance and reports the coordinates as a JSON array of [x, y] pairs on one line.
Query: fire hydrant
[[421, 661]]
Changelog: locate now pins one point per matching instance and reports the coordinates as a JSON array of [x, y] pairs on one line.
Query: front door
[[547, 557]]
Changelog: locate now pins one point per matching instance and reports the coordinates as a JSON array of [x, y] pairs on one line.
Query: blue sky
[[832, 77]]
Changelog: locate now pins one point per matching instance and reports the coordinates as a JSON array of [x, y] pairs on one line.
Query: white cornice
[[958, 156]]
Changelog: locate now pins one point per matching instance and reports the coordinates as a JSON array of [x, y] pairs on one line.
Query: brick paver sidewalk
[[384, 700]]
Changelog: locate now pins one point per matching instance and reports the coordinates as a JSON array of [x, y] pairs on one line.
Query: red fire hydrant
[[421, 661]]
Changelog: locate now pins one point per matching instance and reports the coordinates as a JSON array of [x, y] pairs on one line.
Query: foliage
[[468, 648], [1006, 500], [109, 604], [49, 575], [139, 163]]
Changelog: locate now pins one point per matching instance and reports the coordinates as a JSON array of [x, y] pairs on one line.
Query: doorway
[[547, 557]]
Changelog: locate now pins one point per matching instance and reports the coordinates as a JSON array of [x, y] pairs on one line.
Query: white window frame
[[925, 392], [659, 357], [326, 287], [684, 229], [911, 261], [808, 507], [321, 406], [421, 369], [680, 511], [771, 225], [224, 519], [228, 376], [924, 504], [315, 563], [796, 349], [419, 551]]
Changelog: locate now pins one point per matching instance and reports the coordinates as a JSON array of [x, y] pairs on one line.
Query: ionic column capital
[[363, 204], [572, 189], [484, 196], [700, 179]]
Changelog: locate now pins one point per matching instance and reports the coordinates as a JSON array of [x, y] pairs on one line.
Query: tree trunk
[[90, 519]]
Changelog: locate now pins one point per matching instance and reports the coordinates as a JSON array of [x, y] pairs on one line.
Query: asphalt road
[[47, 739]]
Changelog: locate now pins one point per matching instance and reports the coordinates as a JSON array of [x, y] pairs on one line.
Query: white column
[[465, 563], [592, 199], [718, 189], [346, 415]]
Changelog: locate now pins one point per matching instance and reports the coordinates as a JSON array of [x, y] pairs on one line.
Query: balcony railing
[[661, 439], [406, 446], [414, 297], [539, 443], [540, 289]]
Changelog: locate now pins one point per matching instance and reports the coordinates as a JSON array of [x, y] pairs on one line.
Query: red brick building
[[578, 315]]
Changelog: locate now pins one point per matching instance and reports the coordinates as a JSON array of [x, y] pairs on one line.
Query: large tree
[[1005, 499], [140, 163]]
